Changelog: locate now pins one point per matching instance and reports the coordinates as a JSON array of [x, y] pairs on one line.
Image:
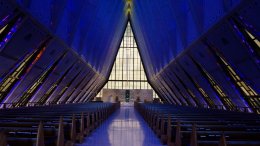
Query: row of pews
[[55, 125], [189, 126]]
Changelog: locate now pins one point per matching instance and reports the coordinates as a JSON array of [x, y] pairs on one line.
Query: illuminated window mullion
[[21, 69], [245, 90], [29, 93], [205, 96], [212, 83], [44, 98], [127, 69], [60, 94]]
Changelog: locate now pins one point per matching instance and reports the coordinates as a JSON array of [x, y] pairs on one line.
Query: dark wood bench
[[59, 124], [175, 125]]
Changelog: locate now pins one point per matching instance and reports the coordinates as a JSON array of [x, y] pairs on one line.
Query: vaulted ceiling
[[93, 28], [177, 39]]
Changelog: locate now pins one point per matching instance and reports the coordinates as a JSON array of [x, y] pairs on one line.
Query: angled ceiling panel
[[92, 28], [189, 66], [166, 28], [205, 57], [228, 42]]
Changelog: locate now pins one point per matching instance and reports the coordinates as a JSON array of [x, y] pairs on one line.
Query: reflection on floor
[[124, 128]]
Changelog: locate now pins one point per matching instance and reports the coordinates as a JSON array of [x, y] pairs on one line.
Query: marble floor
[[124, 128]]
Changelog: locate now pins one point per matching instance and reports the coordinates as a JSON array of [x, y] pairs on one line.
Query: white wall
[[109, 95]]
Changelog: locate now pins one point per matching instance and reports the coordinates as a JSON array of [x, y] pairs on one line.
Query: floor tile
[[124, 128]]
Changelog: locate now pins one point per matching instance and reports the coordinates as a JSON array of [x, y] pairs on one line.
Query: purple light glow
[[8, 99], [3, 20], [33, 96], [243, 40], [218, 99], [10, 34]]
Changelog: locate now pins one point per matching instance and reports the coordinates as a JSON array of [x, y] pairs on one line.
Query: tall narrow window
[[221, 94], [168, 92], [84, 95], [178, 90], [251, 97], [8, 30], [253, 38], [20, 70], [57, 98], [205, 96], [128, 71], [192, 95], [247, 37], [31, 90], [52, 88], [1, 30], [73, 90]]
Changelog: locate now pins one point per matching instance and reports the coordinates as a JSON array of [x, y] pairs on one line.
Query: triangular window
[[128, 71]]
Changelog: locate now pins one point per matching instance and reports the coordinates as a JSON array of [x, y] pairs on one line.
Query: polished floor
[[124, 128]]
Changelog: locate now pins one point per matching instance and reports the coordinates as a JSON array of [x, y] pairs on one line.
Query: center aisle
[[124, 128]]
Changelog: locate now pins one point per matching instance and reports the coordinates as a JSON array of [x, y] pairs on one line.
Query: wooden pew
[[59, 125], [210, 125]]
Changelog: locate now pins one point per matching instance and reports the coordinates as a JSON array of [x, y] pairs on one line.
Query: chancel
[[129, 73]]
